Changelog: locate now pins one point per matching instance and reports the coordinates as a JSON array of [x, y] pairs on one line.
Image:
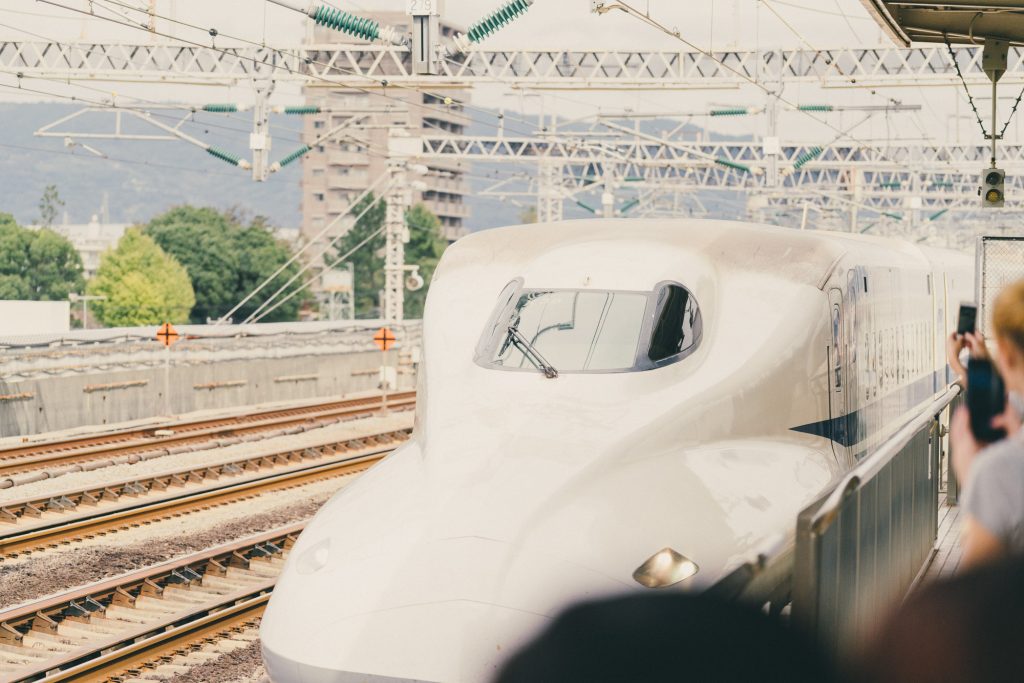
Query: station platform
[[948, 548]]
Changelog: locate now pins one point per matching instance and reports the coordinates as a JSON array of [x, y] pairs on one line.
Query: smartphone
[[968, 321], [986, 398]]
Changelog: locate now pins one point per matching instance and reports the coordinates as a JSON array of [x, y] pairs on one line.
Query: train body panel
[[520, 494]]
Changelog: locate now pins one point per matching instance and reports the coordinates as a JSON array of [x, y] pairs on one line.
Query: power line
[[628, 9], [213, 32]]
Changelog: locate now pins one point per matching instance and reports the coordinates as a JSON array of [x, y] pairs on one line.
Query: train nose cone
[[448, 611], [444, 642]]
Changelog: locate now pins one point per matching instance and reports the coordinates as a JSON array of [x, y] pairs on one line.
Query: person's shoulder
[[1002, 457]]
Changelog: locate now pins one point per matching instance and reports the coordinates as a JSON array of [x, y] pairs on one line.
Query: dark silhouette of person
[[667, 637], [969, 628]]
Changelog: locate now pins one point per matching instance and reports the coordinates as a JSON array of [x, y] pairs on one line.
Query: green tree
[[50, 205], [143, 284], [36, 265], [56, 267], [368, 261], [528, 215], [226, 260], [425, 247]]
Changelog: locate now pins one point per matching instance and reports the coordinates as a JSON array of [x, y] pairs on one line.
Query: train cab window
[[677, 325], [590, 331]]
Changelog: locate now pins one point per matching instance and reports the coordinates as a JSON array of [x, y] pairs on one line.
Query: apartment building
[[338, 171]]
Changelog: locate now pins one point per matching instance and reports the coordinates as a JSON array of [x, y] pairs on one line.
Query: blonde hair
[[1008, 315]]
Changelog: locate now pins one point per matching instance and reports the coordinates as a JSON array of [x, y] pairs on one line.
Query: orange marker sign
[[384, 339], [167, 335]]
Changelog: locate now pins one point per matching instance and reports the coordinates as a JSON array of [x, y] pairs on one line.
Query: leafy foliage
[[425, 247], [36, 265], [49, 206], [368, 261], [143, 284], [226, 261]]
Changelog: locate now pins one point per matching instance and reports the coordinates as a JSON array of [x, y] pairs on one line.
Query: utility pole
[[396, 237], [608, 192], [772, 144], [427, 51], [85, 299], [259, 139], [549, 206], [402, 148]]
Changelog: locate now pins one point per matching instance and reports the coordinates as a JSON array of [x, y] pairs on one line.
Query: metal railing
[[860, 548]]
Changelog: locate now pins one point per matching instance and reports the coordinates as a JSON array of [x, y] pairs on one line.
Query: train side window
[[678, 325], [837, 345]]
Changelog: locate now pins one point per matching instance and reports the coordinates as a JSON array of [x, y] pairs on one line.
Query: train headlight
[[665, 568], [314, 558]]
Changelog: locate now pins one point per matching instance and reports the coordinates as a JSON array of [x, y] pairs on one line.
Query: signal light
[[993, 192]]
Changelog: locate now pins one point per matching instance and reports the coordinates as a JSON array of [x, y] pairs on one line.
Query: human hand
[[1008, 420], [955, 343], [964, 446], [975, 341]]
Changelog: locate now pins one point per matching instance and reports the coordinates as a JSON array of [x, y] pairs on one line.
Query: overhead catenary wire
[[213, 32], [302, 250], [317, 258], [632, 11], [334, 264]]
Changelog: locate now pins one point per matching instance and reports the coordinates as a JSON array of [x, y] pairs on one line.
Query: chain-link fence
[[1000, 262]]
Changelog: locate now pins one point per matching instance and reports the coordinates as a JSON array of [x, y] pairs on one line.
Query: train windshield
[[587, 331]]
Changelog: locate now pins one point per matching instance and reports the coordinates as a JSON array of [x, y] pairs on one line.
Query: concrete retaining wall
[[182, 381]]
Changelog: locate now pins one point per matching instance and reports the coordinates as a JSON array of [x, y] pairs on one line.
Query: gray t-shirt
[[995, 492]]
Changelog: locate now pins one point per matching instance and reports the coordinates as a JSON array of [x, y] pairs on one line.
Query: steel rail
[[30, 510], [181, 434], [61, 531], [99, 637]]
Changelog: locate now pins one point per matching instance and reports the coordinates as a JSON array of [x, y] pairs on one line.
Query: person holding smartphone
[[993, 473]]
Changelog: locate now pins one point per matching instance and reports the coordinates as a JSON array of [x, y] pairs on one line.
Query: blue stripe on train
[[851, 428]]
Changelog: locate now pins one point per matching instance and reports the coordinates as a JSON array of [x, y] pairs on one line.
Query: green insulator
[[894, 216], [296, 155], [223, 156], [586, 207], [302, 111], [367, 29], [733, 165], [937, 216], [221, 108], [890, 186], [498, 19], [807, 157], [730, 112], [816, 107], [629, 206]]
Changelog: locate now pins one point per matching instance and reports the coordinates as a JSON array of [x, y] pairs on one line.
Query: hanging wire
[[970, 98]]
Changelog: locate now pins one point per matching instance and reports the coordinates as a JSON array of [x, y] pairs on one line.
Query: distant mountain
[[144, 178], [140, 178]]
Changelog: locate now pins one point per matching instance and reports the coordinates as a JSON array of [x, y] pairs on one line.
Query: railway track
[[164, 618], [37, 524], [168, 439]]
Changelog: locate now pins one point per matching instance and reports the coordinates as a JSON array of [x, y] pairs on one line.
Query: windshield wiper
[[531, 352]]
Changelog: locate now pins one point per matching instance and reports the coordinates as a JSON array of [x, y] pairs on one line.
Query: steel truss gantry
[[375, 66], [570, 162]]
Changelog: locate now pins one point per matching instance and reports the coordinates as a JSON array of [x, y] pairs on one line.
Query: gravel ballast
[[60, 569]]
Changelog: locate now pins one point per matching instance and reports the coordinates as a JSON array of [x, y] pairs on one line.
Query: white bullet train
[[608, 406]]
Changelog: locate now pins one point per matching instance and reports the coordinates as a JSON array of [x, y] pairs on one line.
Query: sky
[[549, 24]]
